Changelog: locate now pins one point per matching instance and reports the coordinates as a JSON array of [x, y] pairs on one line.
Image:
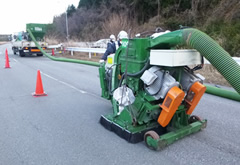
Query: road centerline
[[64, 83]]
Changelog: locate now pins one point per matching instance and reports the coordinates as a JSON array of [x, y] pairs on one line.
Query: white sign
[[38, 29]]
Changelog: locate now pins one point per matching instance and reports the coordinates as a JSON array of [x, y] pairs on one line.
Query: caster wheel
[[193, 119], [153, 135]]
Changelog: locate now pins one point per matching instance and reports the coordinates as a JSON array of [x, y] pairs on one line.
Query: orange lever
[[170, 104], [194, 95]]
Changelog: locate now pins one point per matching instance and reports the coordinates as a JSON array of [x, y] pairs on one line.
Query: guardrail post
[[71, 53], [90, 55]]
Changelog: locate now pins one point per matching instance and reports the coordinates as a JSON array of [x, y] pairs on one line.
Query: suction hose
[[223, 93], [207, 47], [215, 54], [61, 59]]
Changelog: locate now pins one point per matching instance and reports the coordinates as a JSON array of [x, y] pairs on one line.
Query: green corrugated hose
[[215, 54], [208, 48], [61, 59], [223, 93]]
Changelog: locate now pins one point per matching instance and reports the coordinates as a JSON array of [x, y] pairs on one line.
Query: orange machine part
[[170, 104], [194, 95]]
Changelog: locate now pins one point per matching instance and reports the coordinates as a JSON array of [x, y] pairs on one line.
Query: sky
[[15, 14]]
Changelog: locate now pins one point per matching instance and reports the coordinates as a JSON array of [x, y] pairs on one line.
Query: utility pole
[[67, 25], [159, 5], [158, 8]]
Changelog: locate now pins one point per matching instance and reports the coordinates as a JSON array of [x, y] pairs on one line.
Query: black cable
[[199, 66], [126, 65], [135, 74]]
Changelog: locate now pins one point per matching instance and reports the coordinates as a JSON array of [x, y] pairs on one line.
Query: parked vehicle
[[22, 43], [102, 43]]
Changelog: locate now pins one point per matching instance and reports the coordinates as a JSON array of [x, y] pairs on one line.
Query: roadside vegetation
[[92, 20], [95, 19]]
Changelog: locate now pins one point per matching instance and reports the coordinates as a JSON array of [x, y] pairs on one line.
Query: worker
[[121, 35], [111, 48]]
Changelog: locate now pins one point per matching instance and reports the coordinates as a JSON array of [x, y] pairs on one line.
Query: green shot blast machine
[[153, 89]]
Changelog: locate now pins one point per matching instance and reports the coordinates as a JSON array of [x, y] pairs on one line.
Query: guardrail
[[237, 59], [55, 46], [78, 49], [88, 50], [102, 50]]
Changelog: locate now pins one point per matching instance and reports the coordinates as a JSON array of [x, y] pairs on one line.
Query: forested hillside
[[96, 19]]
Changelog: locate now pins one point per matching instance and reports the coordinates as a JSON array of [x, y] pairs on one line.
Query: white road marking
[[14, 60], [64, 83], [79, 90], [49, 76]]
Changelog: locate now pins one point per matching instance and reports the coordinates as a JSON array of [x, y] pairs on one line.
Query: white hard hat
[[122, 34], [112, 37]]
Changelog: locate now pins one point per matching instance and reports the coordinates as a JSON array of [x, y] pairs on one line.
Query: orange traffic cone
[[39, 87], [6, 59], [53, 52]]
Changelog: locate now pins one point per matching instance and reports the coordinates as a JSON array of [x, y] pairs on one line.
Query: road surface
[[63, 127]]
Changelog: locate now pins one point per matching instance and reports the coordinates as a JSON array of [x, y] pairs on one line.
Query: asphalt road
[[63, 127]]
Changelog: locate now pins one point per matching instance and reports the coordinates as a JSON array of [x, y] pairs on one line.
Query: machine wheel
[[193, 119], [39, 54], [153, 135], [14, 51], [21, 53]]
